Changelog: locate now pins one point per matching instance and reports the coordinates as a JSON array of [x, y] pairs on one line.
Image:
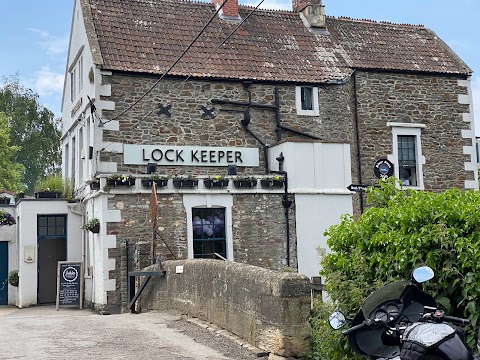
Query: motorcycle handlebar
[[353, 329], [454, 319]]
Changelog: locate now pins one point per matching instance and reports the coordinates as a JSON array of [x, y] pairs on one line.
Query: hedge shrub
[[405, 229]]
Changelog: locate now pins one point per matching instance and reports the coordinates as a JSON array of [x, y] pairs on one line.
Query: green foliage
[[13, 278], [91, 224], [11, 173], [407, 229], [33, 130], [327, 344], [56, 183]]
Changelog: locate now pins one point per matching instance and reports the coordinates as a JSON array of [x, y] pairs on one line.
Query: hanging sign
[[70, 283], [383, 169]]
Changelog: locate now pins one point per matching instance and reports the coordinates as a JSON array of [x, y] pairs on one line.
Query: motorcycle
[[401, 322]]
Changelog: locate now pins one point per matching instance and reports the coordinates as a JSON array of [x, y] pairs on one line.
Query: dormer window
[[307, 100]]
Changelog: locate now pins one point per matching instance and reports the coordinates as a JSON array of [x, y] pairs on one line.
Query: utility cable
[[172, 66], [213, 52], [225, 40]]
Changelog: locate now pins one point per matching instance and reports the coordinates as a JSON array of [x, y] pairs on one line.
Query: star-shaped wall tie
[[208, 113], [164, 110]]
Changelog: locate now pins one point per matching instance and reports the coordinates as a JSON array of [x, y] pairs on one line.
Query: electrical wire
[[225, 40], [172, 66]]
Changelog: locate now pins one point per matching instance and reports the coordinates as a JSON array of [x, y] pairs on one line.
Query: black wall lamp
[[151, 168]]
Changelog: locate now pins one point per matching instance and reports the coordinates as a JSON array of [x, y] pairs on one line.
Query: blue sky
[[35, 35]]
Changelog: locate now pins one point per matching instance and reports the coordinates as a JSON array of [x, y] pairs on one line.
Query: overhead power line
[[171, 66]]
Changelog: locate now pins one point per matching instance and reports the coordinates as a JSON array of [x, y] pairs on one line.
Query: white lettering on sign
[[190, 155]]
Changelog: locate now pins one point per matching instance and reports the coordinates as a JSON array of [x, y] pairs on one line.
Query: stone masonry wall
[[268, 309], [259, 233], [424, 99]]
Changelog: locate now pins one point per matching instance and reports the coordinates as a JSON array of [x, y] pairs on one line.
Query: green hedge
[[405, 229]]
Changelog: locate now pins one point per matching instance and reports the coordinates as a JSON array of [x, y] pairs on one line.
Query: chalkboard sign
[[70, 283]]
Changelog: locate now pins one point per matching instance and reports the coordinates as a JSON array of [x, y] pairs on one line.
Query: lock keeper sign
[[70, 283]]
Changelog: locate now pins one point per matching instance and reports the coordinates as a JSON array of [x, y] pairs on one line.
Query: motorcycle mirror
[[423, 274], [337, 320]]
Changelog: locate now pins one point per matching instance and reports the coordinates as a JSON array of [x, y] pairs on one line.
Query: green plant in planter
[[216, 181], [13, 278], [6, 218], [119, 179], [245, 181], [55, 185], [272, 181], [93, 225]]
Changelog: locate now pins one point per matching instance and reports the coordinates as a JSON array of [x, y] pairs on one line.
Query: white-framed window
[[306, 100], [76, 78], [205, 238], [407, 154]]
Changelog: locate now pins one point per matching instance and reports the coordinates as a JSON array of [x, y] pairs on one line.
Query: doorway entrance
[[3, 272], [52, 248]]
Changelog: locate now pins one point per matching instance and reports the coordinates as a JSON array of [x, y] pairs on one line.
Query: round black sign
[[383, 169]]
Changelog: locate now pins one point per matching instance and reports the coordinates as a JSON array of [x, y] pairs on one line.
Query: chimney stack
[[229, 10], [312, 10]]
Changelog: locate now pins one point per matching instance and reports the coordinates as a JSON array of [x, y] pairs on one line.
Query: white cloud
[[53, 44], [48, 82], [475, 85]]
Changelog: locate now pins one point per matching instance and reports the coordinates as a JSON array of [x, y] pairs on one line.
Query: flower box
[[267, 183], [48, 195], [185, 183], [209, 183], [158, 182], [245, 184], [121, 182], [95, 229]]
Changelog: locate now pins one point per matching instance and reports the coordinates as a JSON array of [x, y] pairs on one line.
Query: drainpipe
[[357, 134], [286, 202]]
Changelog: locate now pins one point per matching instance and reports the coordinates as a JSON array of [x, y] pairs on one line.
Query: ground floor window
[[209, 235]]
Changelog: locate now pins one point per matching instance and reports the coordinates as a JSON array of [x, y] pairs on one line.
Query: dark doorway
[[3, 273], [52, 248]]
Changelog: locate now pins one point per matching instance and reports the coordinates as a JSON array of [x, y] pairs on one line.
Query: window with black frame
[[407, 160], [209, 232]]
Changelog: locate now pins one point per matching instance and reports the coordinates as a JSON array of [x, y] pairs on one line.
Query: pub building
[[254, 136]]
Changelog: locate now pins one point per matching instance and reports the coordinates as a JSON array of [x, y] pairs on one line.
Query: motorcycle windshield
[[391, 291]]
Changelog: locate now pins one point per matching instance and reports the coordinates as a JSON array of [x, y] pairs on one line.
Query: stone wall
[[422, 99], [259, 233], [266, 308]]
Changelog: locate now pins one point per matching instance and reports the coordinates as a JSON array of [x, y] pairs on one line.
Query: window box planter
[[271, 183], [245, 184], [48, 195], [121, 182], [158, 182], [209, 183], [185, 183]]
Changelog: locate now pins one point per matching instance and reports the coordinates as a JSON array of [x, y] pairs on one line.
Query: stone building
[[193, 89]]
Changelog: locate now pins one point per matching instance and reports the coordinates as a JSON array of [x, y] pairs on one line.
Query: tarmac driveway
[[41, 332]]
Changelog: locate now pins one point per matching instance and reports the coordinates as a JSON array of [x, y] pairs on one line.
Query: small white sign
[[179, 269]]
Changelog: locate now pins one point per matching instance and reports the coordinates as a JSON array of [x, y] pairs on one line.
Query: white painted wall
[[8, 233], [318, 176], [27, 211]]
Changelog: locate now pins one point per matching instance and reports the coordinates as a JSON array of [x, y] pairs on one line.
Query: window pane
[[208, 232], [407, 160], [307, 102]]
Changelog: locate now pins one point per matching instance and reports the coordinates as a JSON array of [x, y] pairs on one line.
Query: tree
[[33, 129], [10, 172], [406, 229]]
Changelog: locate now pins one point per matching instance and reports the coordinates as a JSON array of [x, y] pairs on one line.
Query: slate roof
[[146, 36]]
